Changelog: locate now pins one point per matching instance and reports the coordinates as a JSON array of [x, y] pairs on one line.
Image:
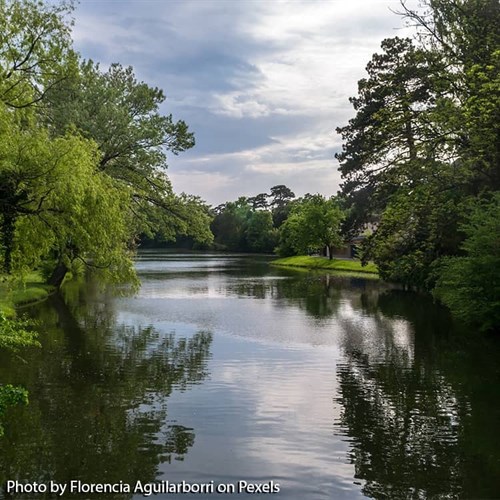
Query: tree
[[425, 136], [239, 226], [56, 202], [466, 36], [228, 226], [259, 201], [281, 196], [469, 284], [391, 140], [35, 50], [417, 227], [260, 235], [465, 32], [122, 116], [313, 223]]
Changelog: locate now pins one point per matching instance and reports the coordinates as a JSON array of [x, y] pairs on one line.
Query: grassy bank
[[15, 293], [309, 262]]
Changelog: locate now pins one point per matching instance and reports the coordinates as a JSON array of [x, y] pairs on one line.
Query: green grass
[[15, 293], [309, 262]]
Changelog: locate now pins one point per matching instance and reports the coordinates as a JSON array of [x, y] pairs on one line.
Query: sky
[[263, 84]]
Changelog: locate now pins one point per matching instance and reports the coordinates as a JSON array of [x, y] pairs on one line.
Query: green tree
[[229, 224], [240, 226], [122, 116], [35, 50], [466, 36], [313, 223], [469, 284], [390, 141], [280, 196], [417, 227], [425, 136], [57, 202], [259, 201], [83, 107], [260, 234]]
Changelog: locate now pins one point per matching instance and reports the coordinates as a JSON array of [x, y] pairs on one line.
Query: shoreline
[[323, 263], [22, 294]]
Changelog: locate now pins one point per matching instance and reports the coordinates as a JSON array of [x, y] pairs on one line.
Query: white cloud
[[293, 62], [304, 162], [237, 105]]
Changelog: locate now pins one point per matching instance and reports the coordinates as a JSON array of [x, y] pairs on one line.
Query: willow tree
[[59, 203], [60, 107], [122, 115], [35, 50]]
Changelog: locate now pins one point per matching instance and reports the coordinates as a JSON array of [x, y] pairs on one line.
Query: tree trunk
[[7, 238], [58, 274], [330, 255]]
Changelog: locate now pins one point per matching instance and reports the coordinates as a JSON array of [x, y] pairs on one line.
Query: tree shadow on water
[[417, 403], [99, 393]]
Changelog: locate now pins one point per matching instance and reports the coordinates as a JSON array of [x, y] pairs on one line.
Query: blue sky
[[262, 83]]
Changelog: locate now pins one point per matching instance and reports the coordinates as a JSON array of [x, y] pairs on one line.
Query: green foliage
[[228, 225], [16, 334], [35, 50], [259, 232], [239, 226], [288, 236], [481, 114], [417, 227], [30, 294], [470, 284], [10, 396], [83, 175], [280, 195], [314, 223], [122, 116], [310, 262], [391, 137], [280, 200], [57, 201], [426, 137]]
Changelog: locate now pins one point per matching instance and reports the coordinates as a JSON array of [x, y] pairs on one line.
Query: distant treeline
[[275, 222]]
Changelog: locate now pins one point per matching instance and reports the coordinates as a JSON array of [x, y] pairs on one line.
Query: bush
[[470, 284]]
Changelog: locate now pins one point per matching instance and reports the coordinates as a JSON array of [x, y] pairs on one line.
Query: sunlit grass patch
[[15, 292], [308, 262]]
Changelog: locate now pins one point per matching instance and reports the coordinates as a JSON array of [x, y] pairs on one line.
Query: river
[[223, 369]]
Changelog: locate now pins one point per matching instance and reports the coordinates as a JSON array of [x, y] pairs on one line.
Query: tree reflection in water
[[416, 391], [414, 425], [98, 396]]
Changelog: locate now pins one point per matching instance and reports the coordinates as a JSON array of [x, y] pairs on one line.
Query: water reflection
[[137, 387], [98, 396], [407, 411]]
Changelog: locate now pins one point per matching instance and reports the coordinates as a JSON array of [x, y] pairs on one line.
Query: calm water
[[225, 369]]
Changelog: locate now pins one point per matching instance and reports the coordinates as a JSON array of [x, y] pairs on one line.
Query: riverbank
[[12, 294], [309, 262]]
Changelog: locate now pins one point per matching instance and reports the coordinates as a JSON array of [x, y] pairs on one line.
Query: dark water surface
[[225, 369]]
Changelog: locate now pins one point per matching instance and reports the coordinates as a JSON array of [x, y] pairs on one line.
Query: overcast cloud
[[262, 84]]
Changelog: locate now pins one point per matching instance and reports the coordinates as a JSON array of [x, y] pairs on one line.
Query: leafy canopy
[[314, 222], [470, 284]]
